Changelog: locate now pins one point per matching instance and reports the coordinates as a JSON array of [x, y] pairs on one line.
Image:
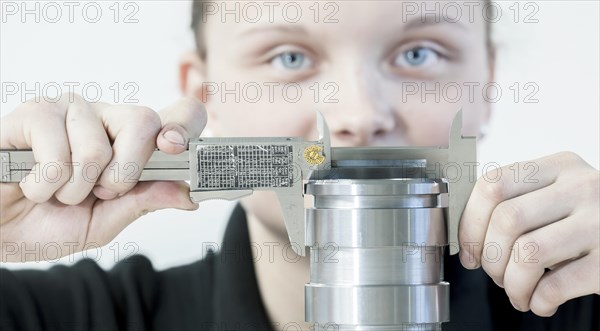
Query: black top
[[221, 293]]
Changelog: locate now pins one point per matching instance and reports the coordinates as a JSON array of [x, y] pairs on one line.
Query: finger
[[90, 153], [512, 218], [499, 185], [111, 216], [537, 250], [40, 126], [133, 130], [9, 193], [11, 202], [572, 280], [181, 121]]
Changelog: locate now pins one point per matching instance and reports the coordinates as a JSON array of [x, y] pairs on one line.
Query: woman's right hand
[[73, 210]]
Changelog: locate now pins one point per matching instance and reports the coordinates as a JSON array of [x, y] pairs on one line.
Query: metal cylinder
[[377, 248]]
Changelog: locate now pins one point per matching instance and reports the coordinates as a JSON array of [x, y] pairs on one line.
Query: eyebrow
[[430, 20], [412, 24], [277, 28]]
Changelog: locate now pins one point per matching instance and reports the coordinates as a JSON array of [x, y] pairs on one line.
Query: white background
[[560, 54]]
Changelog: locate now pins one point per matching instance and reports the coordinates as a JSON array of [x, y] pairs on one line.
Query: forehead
[[351, 18]]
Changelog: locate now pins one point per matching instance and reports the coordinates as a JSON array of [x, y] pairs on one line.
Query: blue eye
[[291, 61], [417, 57]]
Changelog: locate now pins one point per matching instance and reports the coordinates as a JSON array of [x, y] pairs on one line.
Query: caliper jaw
[[233, 168]]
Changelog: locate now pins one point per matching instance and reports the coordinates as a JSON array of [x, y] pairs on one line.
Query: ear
[[191, 74], [192, 79]]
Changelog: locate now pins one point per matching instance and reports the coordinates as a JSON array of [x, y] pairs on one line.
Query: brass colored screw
[[314, 155]]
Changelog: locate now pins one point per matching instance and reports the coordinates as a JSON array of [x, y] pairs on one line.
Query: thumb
[[181, 121], [110, 217]]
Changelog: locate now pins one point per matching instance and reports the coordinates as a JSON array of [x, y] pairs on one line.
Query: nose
[[362, 116]]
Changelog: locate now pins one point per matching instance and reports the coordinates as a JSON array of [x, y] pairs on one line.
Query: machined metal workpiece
[[377, 251]]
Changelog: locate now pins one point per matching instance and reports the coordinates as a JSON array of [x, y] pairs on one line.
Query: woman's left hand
[[535, 229]]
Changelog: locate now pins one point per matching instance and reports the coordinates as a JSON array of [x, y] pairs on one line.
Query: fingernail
[[514, 305], [174, 137], [499, 283], [468, 258]]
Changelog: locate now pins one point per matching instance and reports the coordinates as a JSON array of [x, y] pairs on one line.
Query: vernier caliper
[[232, 168]]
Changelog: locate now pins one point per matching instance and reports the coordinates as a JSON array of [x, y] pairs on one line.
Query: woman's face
[[390, 73]]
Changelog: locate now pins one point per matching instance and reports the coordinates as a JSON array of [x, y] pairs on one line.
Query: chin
[[264, 205]]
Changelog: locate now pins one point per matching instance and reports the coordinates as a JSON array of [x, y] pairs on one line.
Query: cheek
[[428, 123]]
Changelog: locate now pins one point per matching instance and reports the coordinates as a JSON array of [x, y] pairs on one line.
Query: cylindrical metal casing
[[377, 249]]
